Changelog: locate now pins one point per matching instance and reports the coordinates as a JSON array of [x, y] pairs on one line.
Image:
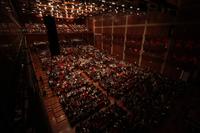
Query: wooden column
[[112, 36], [165, 57], [125, 37], [142, 44], [93, 23], [102, 33], [171, 33]]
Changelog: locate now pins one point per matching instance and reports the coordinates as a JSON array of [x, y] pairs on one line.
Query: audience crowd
[[147, 96], [112, 119], [61, 28]]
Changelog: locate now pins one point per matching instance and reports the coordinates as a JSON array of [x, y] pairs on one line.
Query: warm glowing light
[[74, 9]]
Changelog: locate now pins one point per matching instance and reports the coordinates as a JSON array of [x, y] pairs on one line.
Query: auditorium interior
[[100, 66]]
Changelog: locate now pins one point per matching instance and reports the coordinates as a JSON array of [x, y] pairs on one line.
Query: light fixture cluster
[[73, 9], [65, 10]]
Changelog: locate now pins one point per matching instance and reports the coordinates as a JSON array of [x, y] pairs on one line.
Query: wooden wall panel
[[107, 21], [98, 22], [119, 20], [98, 30], [118, 39], [107, 39], [107, 30], [187, 31], [158, 17], [135, 32], [117, 51], [135, 19], [156, 38], [90, 24], [133, 46], [98, 40], [119, 31], [157, 32], [107, 43]]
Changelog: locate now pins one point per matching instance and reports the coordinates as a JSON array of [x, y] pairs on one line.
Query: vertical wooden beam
[[165, 57], [112, 32], [125, 37], [93, 23], [87, 21], [142, 44], [171, 41], [102, 32]]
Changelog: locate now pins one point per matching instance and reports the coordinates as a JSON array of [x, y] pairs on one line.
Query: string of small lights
[[70, 10], [73, 9]]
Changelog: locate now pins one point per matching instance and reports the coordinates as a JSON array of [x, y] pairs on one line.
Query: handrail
[[19, 47]]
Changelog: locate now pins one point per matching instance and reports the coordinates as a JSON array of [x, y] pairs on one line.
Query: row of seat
[[146, 96]]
